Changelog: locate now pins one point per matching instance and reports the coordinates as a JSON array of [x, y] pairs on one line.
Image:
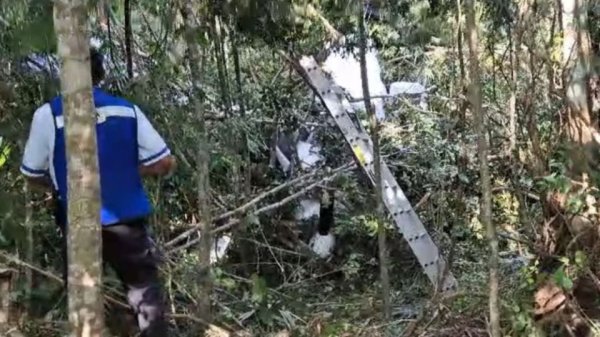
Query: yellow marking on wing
[[359, 154]]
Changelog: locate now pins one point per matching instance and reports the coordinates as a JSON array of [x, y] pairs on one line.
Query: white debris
[[307, 209], [344, 67], [406, 88], [95, 42], [402, 88], [283, 160], [309, 152], [49, 63], [38, 63], [219, 248], [322, 245]]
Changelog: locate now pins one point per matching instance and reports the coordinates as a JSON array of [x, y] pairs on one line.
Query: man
[[128, 148]]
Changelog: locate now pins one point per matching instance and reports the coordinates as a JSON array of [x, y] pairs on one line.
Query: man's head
[[97, 66]]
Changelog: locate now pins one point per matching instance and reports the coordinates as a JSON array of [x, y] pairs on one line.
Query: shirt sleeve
[[151, 146], [36, 156]]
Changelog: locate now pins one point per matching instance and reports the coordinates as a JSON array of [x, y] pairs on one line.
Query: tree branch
[[232, 223], [245, 207]]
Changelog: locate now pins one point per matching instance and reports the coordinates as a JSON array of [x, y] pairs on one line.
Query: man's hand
[[164, 167]]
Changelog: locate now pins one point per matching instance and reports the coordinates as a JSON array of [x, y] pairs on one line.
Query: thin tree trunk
[[128, 39], [223, 59], [459, 42], [221, 64], [486, 197], [107, 9], [512, 99], [192, 30], [6, 277], [233, 144], [383, 257], [550, 51], [461, 57], [83, 236], [6, 288], [29, 248], [238, 73], [240, 100]]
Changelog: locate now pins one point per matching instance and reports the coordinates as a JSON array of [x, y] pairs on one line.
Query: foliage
[[265, 285]]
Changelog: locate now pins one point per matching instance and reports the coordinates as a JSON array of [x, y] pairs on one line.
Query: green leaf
[[562, 280], [259, 288], [574, 205], [4, 153]]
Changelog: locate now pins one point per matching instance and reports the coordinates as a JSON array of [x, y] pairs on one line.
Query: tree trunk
[[192, 30], [462, 117], [383, 258], [221, 64], [128, 39], [580, 128], [512, 100], [83, 239], [29, 248], [459, 43], [550, 50], [240, 100], [580, 125], [486, 194], [6, 277]]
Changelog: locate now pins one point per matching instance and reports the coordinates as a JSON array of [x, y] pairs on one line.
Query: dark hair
[[97, 66]]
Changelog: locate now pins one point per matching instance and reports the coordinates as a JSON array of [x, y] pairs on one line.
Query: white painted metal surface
[[399, 208], [344, 67]]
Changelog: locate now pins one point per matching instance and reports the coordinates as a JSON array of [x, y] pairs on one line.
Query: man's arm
[[154, 154], [164, 167], [36, 156]]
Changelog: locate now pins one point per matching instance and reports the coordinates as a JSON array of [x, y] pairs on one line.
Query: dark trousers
[[131, 252]]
